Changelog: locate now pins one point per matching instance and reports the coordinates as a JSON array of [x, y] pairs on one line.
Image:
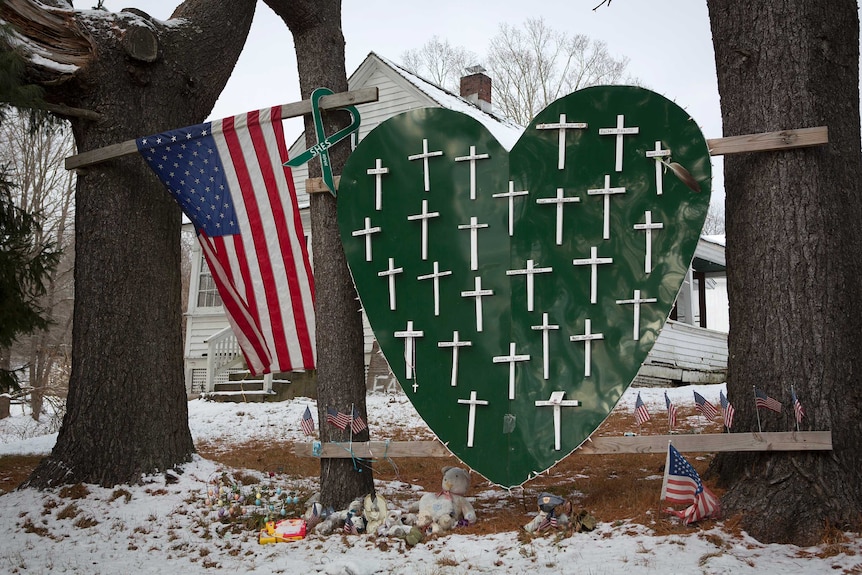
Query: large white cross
[[390, 273], [562, 126], [435, 276], [648, 227], [367, 231], [619, 131], [455, 344], [637, 301], [478, 293], [424, 157], [593, 261], [545, 327], [409, 336], [471, 418], [560, 200], [378, 171], [607, 192], [587, 338], [511, 194], [474, 228], [472, 159], [511, 359], [423, 217], [530, 271], [556, 401], [658, 154]]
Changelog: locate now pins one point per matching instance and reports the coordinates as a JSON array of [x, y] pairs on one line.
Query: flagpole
[[756, 409], [291, 110]]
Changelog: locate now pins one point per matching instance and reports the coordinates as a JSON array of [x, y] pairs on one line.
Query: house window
[[207, 293]]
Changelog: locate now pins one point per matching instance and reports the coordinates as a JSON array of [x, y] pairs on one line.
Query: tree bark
[[794, 251], [126, 412], [316, 29]]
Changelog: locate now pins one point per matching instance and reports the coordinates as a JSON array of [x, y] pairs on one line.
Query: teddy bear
[[440, 512]]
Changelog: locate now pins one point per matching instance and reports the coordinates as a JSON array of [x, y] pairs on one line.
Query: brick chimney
[[476, 88]]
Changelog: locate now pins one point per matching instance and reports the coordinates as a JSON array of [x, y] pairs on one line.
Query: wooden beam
[[768, 141], [291, 110], [316, 185], [696, 443]]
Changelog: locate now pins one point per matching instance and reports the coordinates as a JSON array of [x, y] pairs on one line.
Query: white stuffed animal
[[440, 512]]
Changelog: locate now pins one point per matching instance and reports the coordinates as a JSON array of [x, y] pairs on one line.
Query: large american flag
[[228, 177], [682, 485]]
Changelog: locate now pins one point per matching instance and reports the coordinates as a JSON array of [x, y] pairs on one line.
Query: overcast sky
[[668, 44]]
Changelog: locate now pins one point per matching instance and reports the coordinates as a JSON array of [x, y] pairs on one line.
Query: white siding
[[688, 354]]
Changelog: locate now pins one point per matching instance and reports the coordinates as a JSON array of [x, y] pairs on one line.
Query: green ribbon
[[321, 148]]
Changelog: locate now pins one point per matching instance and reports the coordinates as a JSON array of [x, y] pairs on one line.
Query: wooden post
[[291, 110]]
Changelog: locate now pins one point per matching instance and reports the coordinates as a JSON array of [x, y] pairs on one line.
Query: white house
[[688, 349]]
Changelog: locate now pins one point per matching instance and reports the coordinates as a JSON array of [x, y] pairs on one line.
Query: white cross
[[511, 359], [390, 273], [658, 154], [436, 275], [377, 171], [593, 261], [587, 338], [472, 159], [511, 194], [424, 157], [454, 344], [367, 231], [562, 125], [471, 418], [560, 200], [607, 192], [637, 301], [478, 293], [556, 401], [530, 271], [409, 336], [619, 131], [545, 327], [648, 227], [474, 228], [424, 217]]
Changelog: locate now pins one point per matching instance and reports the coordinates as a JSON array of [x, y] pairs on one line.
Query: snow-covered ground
[[161, 528]]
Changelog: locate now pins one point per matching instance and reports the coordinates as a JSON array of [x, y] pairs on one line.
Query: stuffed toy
[[336, 520], [440, 512], [375, 512]]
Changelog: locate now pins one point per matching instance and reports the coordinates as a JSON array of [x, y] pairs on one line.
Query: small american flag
[[307, 423], [349, 527], [336, 418], [357, 424], [671, 412], [797, 406], [641, 413], [727, 408], [549, 522], [763, 400], [682, 485], [704, 407], [227, 176]]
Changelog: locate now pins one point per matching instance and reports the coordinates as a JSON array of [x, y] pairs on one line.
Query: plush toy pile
[[434, 513]]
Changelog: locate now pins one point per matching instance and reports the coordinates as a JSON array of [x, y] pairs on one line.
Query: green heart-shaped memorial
[[516, 293]]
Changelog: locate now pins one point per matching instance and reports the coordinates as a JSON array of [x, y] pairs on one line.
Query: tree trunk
[[316, 28], [126, 412], [794, 252]]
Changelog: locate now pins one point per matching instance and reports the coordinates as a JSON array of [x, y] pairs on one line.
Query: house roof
[[506, 131]]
